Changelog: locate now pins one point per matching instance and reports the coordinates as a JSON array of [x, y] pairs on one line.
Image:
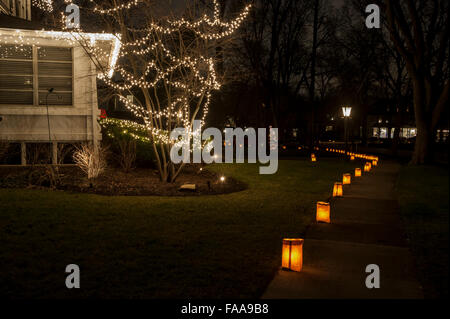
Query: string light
[[27, 38], [189, 76], [123, 6], [45, 5]]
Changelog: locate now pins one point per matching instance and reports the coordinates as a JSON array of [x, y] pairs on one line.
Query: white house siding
[[75, 123]]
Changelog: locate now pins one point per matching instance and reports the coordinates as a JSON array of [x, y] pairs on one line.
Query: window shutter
[[16, 75], [55, 71]]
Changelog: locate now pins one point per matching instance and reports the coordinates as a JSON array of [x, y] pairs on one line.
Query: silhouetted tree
[[420, 33]]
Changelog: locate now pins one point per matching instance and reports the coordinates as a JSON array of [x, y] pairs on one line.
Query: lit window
[[383, 132], [403, 132], [445, 135], [407, 132], [375, 132]]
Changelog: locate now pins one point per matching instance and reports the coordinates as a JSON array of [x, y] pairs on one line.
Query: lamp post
[[346, 110]]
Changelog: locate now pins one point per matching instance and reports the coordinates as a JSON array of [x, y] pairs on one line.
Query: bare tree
[[420, 33], [274, 50], [167, 63]]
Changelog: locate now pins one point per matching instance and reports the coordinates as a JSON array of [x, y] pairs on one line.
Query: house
[[48, 86], [16, 8]]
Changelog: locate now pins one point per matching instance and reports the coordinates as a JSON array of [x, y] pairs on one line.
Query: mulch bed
[[114, 182]]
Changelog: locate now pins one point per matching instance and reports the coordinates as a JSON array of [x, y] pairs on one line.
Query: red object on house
[[103, 114]]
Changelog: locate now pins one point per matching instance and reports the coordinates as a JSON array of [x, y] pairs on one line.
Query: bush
[[128, 143], [38, 153], [90, 160], [127, 157]]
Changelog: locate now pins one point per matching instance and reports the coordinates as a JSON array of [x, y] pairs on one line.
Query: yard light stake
[[313, 158], [357, 172], [338, 190], [346, 179], [323, 212], [292, 255]]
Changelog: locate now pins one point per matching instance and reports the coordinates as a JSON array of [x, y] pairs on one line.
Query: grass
[[159, 247], [424, 200]]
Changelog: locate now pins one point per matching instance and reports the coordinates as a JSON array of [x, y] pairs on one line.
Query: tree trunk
[[424, 139], [396, 140], [423, 147], [313, 71]]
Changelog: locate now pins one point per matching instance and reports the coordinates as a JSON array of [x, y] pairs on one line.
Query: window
[[375, 132], [407, 132], [16, 75], [443, 135], [27, 73], [17, 8], [383, 132]]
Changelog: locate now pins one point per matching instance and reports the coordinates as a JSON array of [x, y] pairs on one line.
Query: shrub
[[65, 152], [38, 153], [90, 160], [128, 142], [127, 157]]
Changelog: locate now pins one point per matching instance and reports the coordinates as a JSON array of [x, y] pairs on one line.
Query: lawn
[[424, 200], [159, 247]]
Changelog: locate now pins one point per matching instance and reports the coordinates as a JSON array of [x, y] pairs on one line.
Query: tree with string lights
[[167, 63]]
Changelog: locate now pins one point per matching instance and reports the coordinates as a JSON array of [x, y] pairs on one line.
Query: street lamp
[[346, 110]]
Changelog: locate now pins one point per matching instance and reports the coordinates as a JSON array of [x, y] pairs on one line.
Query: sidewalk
[[365, 229]]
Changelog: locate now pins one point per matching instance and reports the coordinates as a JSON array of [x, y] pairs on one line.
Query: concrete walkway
[[365, 229]]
